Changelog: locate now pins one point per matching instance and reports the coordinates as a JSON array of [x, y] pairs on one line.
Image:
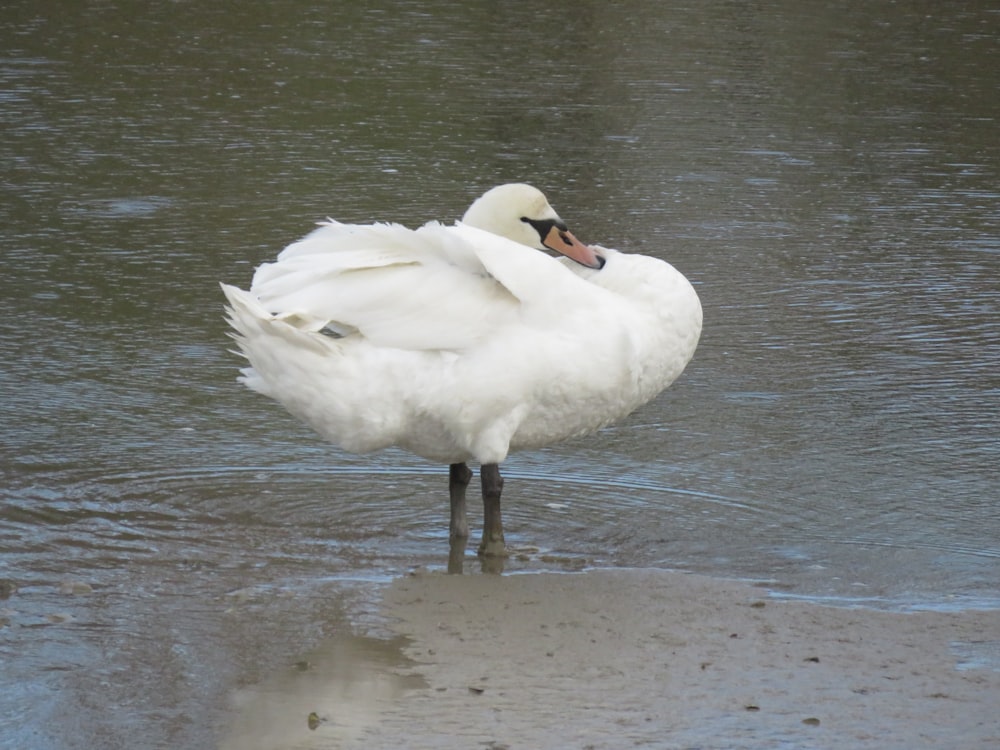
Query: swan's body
[[457, 343]]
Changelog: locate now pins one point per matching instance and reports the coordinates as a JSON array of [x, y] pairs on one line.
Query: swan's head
[[521, 213]]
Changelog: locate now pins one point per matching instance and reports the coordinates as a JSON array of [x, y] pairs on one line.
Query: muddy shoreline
[[647, 658]]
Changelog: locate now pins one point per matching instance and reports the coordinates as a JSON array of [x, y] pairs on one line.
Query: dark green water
[[826, 174]]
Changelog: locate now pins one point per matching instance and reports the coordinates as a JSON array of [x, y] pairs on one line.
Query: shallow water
[[826, 177]]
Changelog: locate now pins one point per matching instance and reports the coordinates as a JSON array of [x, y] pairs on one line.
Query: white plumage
[[462, 342]]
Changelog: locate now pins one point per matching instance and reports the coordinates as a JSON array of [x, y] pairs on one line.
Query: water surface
[[826, 174]]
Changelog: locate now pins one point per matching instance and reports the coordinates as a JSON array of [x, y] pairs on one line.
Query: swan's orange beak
[[563, 241]]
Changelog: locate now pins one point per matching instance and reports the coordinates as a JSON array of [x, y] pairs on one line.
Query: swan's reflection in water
[[327, 699], [460, 562]]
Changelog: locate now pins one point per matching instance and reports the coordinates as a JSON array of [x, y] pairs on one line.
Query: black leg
[[492, 544], [459, 476]]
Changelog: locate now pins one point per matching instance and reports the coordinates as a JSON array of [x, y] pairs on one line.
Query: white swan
[[463, 342]]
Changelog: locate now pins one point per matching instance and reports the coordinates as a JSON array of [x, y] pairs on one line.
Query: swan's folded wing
[[541, 283], [395, 287]]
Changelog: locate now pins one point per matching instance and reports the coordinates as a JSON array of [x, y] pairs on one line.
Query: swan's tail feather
[[249, 320]]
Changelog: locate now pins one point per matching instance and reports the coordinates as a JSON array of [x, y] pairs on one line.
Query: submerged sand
[[621, 659]]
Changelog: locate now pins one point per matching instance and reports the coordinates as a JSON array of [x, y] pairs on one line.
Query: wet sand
[[619, 658]]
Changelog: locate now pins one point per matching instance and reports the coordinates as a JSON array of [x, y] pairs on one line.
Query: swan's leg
[[492, 544], [458, 535], [459, 476]]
